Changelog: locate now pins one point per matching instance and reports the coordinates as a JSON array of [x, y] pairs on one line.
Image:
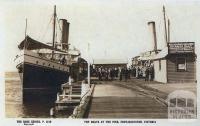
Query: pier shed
[[115, 63], [176, 63]]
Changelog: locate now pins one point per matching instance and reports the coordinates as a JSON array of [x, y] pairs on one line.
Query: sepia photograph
[[99, 62]]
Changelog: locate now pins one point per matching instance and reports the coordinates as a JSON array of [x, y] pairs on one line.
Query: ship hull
[[41, 78], [40, 81]]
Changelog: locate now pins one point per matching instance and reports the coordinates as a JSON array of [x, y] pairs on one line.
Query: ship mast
[[54, 25]]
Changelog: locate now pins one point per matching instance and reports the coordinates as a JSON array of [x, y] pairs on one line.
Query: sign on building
[[181, 47]]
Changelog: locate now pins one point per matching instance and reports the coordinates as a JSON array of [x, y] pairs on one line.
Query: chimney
[[64, 34], [152, 23]]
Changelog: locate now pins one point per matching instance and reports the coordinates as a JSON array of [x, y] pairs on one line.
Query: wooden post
[[52, 112], [58, 99]]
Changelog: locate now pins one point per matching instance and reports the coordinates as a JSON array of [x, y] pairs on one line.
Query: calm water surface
[[15, 107]]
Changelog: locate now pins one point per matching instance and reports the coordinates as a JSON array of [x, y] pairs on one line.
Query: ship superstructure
[[42, 67]]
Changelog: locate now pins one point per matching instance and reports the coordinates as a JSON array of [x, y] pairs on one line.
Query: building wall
[[160, 74], [181, 77]]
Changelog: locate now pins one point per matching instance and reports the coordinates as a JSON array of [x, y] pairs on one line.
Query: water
[[14, 106]]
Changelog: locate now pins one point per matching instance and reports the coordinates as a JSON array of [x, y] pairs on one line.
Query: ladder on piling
[[69, 98]]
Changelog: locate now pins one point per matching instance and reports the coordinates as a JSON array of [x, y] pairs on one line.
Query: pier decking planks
[[120, 103]]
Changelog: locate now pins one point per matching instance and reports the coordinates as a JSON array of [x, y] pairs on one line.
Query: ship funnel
[[153, 26], [64, 34]]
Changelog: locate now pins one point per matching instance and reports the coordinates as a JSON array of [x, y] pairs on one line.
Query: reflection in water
[[31, 109]]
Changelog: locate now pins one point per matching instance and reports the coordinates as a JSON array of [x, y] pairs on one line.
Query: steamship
[[42, 67]]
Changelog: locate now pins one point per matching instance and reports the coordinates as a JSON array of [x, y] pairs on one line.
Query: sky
[[114, 29]]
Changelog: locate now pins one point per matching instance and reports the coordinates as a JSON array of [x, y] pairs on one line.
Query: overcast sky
[[114, 28]]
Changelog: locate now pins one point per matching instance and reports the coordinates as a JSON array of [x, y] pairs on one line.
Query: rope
[[56, 36], [42, 37], [58, 24], [27, 42]]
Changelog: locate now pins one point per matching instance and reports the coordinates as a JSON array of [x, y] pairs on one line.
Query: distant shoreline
[[10, 71], [11, 74]]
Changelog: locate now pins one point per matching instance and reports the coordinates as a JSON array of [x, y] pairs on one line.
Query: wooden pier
[[75, 97], [111, 101]]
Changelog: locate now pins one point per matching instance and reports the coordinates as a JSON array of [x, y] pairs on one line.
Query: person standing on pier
[[138, 72], [147, 74], [151, 73], [129, 73], [100, 74], [120, 74], [112, 74], [116, 73], [126, 74], [134, 71]]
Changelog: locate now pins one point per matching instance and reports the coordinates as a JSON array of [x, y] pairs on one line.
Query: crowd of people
[[111, 73], [146, 72], [124, 73]]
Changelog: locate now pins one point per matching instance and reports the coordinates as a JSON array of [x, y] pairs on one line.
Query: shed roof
[[147, 55], [110, 61]]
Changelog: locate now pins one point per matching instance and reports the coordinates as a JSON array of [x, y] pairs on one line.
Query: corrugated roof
[[153, 56], [110, 61], [147, 55], [161, 54]]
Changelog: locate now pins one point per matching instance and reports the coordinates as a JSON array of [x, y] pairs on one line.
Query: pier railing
[[80, 110]]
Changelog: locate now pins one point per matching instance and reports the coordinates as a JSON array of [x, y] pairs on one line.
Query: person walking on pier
[[106, 74]]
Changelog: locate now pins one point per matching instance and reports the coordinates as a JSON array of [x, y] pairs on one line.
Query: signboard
[[181, 47]]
